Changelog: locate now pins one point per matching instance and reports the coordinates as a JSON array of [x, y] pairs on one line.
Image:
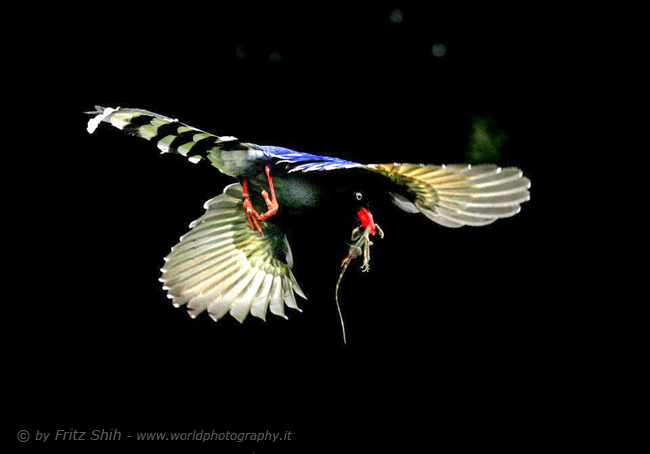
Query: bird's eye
[[358, 195]]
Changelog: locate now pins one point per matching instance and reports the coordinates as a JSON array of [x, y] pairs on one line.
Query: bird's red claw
[[271, 203], [251, 215]]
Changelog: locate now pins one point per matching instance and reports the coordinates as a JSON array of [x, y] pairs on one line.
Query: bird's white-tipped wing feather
[[458, 195], [222, 266]]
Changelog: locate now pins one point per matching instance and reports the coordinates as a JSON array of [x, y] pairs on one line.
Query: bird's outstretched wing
[[450, 195], [458, 195], [222, 266]]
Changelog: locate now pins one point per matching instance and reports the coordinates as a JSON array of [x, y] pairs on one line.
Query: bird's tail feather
[[170, 135], [457, 195]]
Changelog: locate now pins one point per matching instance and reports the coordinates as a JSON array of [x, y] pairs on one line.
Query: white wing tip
[[93, 123]]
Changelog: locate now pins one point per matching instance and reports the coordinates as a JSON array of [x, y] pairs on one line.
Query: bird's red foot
[[251, 214], [272, 205], [271, 202]]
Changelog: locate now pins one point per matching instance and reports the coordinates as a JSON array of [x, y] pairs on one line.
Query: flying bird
[[236, 257]]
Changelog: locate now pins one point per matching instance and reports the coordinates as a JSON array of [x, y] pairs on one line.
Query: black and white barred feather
[[172, 136]]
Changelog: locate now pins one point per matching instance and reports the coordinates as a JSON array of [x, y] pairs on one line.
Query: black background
[[448, 322]]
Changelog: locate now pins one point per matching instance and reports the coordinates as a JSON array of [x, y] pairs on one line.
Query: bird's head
[[363, 214]]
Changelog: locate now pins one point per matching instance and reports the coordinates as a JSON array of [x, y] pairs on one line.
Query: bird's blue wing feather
[[307, 162]]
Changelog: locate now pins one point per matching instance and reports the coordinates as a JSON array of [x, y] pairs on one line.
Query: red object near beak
[[367, 221]]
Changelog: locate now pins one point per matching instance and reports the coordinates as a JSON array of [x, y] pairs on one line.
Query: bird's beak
[[367, 221]]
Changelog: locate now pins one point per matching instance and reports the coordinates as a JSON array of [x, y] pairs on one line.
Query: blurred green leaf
[[485, 141]]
